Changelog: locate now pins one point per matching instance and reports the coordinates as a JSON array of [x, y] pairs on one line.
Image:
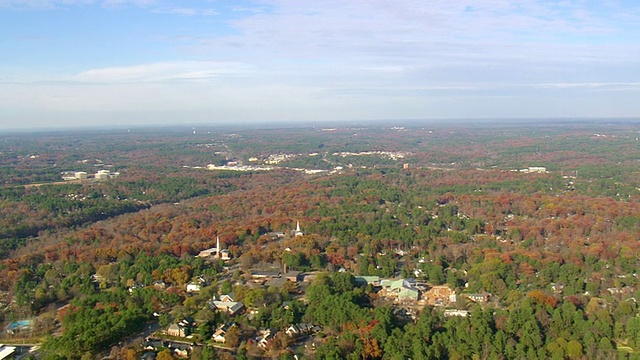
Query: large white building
[[7, 352], [217, 251], [537, 169]]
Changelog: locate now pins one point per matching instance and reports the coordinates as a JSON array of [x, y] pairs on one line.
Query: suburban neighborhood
[[237, 320]]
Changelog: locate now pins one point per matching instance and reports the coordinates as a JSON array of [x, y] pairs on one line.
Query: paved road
[[139, 337]]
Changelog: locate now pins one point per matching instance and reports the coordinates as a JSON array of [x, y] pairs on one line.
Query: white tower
[[298, 232], [218, 247]]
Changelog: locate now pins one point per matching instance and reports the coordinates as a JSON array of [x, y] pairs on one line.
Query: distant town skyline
[[138, 62]]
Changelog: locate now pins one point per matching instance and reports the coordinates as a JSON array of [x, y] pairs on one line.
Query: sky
[[125, 62]]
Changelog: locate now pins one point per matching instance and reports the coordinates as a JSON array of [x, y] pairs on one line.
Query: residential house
[[180, 350], [301, 329], [159, 285], [186, 322], [292, 331], [557, 288], [275, 235], [191, 288], [221, 332], [96, 278], [366, 280], [625, 291], [228, 297], [456, 312], [177, 330], [135, 287], [153, 345], [265, 337], [479, 298], [614, 291], [230, 307], [440, 295]]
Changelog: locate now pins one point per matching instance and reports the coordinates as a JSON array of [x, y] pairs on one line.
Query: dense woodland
[[559, 251]]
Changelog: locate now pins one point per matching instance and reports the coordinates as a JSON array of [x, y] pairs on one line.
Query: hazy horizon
[[226, 126]]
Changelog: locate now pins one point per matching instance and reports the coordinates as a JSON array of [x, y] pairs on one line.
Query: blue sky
[[119, 62]]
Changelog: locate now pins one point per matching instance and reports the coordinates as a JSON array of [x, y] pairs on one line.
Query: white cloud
[[49, 4], [250, 9], [412, 34], [186, 11], [604, 86], [42, 4], [160, 72]]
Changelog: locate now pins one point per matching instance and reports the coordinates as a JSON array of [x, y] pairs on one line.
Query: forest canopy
[[534, 229]]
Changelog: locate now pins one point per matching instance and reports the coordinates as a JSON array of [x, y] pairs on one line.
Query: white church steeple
[[298, 232]]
